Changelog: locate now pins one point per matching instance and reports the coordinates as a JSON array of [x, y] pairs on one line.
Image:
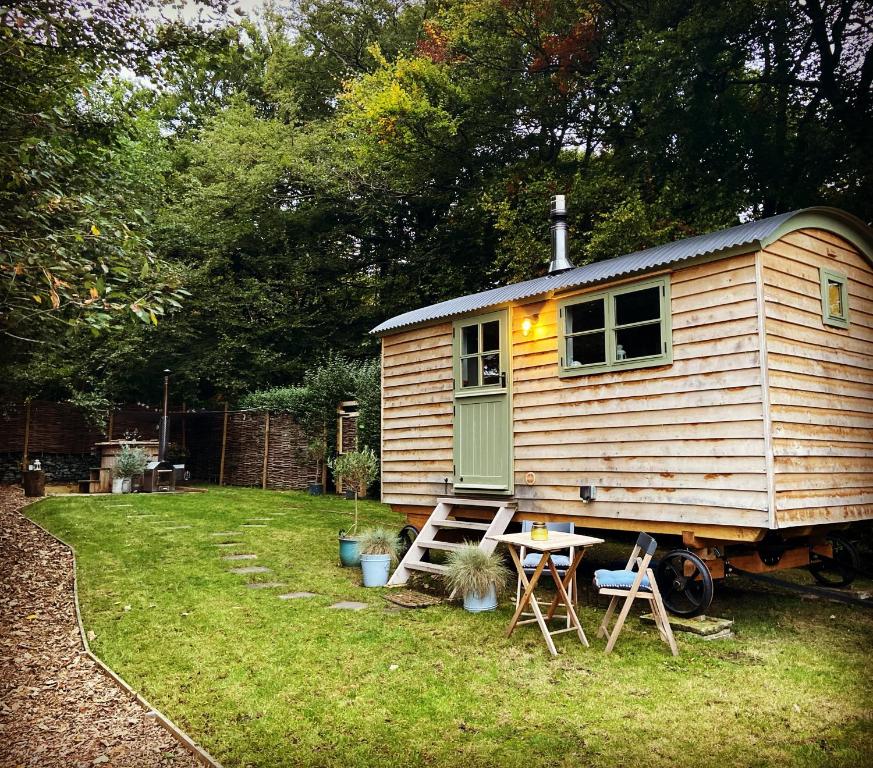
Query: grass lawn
[[260, 681]]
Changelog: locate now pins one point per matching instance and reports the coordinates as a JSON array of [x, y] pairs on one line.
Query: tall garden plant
[[358, 469]]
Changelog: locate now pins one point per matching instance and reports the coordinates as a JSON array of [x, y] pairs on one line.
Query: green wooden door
[[482, 433]]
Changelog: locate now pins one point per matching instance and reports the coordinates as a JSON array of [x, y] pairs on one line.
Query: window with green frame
[[627, 327], [834, 298]]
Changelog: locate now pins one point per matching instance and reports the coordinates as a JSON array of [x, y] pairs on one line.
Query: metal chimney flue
[[560, 259]]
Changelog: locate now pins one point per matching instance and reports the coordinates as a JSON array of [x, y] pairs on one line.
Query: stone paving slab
[[136, 516], [697, 625], [227, 543], [264, 584], [349, 605], [258, 519], [250, 569], [253, 525], [297, 595], [240, 557], [225, 533], [176, 528]]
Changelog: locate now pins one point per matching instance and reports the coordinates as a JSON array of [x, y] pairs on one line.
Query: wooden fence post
[[109, 429], [26, 435], [266, 452], [223, 446]]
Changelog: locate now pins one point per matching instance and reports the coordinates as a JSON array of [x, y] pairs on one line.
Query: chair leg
[[659, 610], [603, 629], [619, 622]]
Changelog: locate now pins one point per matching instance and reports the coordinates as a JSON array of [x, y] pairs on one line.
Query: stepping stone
[[250, 569], [258, 519], [176, 527], [253, 525], [227, 544], [698, 625], [225, 533], [240, 557], [264, 584], [348, 605], [137, 516], [297, 595]]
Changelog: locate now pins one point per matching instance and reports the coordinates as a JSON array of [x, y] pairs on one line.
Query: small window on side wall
[[628, 327], [834, 298]]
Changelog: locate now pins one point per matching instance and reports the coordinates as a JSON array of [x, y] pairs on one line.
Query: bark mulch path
[[56, 707]]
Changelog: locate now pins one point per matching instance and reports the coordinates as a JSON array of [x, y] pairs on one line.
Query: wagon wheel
[[685, 583], [407, 535], [839, 571]]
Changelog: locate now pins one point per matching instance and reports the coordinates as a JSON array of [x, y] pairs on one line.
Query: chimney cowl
[[560, 260]]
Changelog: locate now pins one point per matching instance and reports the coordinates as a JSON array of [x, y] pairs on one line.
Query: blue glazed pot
[[375, 569], [480, 603], [350, 554]]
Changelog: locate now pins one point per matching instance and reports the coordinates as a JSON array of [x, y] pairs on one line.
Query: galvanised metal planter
[[375, 569], [480, 603]]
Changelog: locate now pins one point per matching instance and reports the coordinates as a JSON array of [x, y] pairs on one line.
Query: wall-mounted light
[[528, 323]]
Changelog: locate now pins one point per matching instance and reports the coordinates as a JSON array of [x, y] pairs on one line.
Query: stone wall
[[58, 467]]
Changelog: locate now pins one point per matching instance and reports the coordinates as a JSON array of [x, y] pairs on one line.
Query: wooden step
[[445, 546], [427, 567], [460, 501], [462, 524]]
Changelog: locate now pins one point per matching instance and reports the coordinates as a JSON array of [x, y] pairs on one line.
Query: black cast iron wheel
[[685, 583], [839, 571]]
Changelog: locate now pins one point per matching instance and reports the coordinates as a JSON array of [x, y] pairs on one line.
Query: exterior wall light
[[528, 323]]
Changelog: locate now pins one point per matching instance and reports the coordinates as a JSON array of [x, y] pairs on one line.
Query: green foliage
[[358, 469], [131, 462], [473, 571], [378, 541]]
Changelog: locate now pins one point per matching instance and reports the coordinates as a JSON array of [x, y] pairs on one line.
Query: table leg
[[571, 614], [568, 578], [529, 585]]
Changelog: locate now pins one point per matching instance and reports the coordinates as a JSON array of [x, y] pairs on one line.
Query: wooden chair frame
[[646, 546]]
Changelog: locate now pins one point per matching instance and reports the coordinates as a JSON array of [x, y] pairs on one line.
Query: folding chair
[[562, 562], [632, 584]]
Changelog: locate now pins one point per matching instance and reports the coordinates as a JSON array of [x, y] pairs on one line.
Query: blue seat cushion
[[604, 579], [562, 562]]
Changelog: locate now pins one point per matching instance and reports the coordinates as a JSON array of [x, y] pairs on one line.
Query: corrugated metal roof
[[753, 234]]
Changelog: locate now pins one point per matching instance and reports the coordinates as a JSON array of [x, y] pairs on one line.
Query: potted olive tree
[[478, 575], [378, 548], [130, 463], [316, 452], [358, 469]]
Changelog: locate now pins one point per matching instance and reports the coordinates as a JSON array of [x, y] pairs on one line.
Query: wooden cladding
[[821, 379]]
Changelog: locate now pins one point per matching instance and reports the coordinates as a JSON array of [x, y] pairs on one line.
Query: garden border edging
[[200, 754]]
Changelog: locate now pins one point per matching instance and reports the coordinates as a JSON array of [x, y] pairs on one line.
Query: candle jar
[[539, 532]]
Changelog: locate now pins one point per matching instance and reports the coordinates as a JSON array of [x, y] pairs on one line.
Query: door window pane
[[835, 299], [491, 336], [470, 371], [588, 316], [640, 341], [586, 350], [638, 306], [490, 369], [469, 339]]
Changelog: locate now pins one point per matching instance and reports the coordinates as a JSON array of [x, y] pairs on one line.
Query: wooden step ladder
[[442, 519]]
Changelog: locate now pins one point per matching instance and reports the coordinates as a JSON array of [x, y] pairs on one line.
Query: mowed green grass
[[260, 681]]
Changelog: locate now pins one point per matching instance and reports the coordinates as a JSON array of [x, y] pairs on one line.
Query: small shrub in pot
[[378, 547]]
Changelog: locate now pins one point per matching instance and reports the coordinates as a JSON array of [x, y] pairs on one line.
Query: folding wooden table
[[555, 542]]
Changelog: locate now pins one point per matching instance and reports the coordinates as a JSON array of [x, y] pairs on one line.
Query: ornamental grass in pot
[[378, 548], [479, 576]]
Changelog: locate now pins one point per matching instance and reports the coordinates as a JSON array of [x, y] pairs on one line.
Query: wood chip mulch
[[56, 707]]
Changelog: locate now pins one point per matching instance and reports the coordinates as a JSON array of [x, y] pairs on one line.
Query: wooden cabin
[[717, 388]]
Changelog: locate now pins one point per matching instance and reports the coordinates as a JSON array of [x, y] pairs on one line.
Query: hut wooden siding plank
[[563, 418], [705, 270], [701, 481], [738, 310], [417, 390], [707, 281], [821, 383], [723, 450], [670, 513]]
